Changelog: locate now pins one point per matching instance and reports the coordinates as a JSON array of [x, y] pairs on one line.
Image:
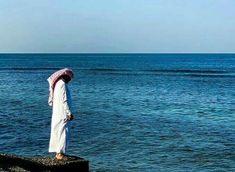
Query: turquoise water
[[133, 112]]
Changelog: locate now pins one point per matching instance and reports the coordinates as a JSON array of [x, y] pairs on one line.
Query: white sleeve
[[65, 101]]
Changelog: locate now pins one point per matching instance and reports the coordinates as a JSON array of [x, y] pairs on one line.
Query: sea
[[133, 112]]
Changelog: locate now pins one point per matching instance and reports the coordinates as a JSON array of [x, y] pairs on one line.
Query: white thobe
[[60, 125]]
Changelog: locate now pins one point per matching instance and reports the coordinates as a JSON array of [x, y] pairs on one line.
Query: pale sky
[[117, 26]]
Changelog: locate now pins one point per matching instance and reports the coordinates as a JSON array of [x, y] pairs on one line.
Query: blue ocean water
[[133, 112]]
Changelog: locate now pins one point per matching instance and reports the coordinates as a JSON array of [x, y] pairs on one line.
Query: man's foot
[[59, 156]]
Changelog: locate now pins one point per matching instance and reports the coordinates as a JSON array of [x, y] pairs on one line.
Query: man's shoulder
[[60, 83]]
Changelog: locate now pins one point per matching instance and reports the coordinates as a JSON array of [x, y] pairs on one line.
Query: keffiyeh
[[54, 78]]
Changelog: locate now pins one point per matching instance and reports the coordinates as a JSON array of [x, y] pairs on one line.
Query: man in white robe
[[61, 116]]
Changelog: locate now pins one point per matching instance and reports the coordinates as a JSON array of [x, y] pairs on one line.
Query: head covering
[[54, 78]]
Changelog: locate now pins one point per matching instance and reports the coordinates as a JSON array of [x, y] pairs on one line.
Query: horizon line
[[117, 52]]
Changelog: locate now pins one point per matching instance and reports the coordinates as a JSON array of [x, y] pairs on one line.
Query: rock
[[39, 163]]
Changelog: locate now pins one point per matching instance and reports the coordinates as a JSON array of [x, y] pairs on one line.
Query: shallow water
[[139, 112]]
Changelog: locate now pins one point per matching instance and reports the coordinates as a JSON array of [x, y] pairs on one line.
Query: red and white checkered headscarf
[[54, 78]]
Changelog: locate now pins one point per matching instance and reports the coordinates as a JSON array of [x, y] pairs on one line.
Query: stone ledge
[[13, 163]]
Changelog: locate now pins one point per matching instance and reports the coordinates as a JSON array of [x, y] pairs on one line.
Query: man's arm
[[69, 115]]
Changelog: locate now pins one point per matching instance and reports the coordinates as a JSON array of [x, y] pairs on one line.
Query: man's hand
[[70, 117]]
